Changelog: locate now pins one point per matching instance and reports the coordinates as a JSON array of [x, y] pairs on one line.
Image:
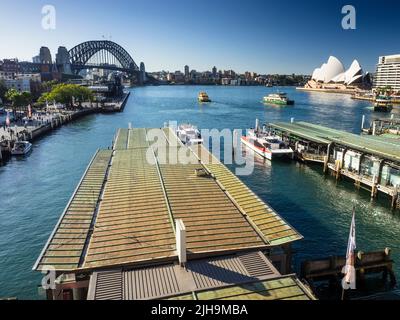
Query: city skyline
[[166, 37]]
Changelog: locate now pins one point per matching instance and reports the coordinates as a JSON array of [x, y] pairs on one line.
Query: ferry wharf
[[138, 230], [372, 162]]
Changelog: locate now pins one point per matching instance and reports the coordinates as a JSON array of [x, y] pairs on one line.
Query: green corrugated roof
[[284, 288], [375, 145]]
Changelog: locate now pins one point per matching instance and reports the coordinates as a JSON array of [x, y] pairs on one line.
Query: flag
[[29, 111], [349, 279], [8, 120]]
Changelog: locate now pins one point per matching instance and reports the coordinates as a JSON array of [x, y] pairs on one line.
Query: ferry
[[189, 134], [267, 145], [203, 97], [21, 148], [278, 98], [383, 103]]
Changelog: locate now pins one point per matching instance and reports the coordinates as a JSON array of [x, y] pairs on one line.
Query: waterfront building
[[371, 161], [225, 81], [388, 72], [179, 76], [332, 75], [10, 66], [6, 75], [20, 85]]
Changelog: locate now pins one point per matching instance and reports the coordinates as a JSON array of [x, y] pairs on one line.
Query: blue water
[[35, 190]]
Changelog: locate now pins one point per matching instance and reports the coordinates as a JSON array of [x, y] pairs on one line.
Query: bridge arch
[[82, 53]]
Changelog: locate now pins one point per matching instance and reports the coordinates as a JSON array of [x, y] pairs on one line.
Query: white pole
[[291, 120], [257, 125], [373, 128], [362, 122]]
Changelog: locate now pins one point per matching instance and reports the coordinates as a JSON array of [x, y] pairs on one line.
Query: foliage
[[18, 99], [66, 94]]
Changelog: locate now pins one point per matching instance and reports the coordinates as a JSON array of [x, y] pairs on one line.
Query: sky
[[285, 36]]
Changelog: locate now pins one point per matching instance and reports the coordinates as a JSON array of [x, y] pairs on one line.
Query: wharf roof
[[375, 145], [236, 276], [123, 211]]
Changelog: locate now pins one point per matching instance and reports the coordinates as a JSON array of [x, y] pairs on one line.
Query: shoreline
[[341, 91], [32, 133]]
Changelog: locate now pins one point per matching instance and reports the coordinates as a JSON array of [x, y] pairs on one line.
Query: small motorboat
[[203, 97], [267, 145], [21, 148], [189, 134]]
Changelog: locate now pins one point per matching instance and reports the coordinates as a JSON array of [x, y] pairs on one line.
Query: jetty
[[143, 226], [372, 162], [51, 121], [367, 264]]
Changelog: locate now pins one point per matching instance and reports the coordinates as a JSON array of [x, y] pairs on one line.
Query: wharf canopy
[[332, 74], [130, 222]]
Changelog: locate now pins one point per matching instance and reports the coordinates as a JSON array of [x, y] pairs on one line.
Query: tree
[[19, 100], [66, 94]]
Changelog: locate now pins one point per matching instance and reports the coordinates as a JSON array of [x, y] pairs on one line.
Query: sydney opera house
[[332, 75]]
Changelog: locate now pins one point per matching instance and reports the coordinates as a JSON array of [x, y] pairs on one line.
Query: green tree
[[66, 94], [19, 100]]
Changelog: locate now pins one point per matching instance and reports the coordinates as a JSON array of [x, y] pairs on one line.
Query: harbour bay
[[36, 189]]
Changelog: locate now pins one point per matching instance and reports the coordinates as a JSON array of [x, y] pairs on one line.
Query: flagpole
[[350, 249]]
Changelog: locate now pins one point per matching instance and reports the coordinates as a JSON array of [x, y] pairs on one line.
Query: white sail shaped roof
[[333, 71], [353, 73]]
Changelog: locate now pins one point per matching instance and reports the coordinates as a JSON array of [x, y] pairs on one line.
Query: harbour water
[[35, 190]]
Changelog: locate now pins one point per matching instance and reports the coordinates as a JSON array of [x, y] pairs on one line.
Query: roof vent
[[181, 241]]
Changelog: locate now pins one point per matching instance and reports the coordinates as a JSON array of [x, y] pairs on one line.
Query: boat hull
[[266, 153], [22, 152], [279, 102]]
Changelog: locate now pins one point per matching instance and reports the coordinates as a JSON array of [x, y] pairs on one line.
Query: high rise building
[[186, 71], [214, 72], [45, 55], [388, 72]]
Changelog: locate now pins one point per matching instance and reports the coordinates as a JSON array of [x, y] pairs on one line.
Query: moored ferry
[[383, 103], [189, 134], [278, 98], [267, 145], [203, 97]]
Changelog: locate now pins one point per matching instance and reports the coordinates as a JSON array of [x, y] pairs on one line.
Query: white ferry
[[21, 148], [267, 145], [189, 134]]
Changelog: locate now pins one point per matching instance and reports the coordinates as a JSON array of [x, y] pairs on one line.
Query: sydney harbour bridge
[[98, 54]]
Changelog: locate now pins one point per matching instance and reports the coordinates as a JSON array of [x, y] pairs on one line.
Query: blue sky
[[282, 36]]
